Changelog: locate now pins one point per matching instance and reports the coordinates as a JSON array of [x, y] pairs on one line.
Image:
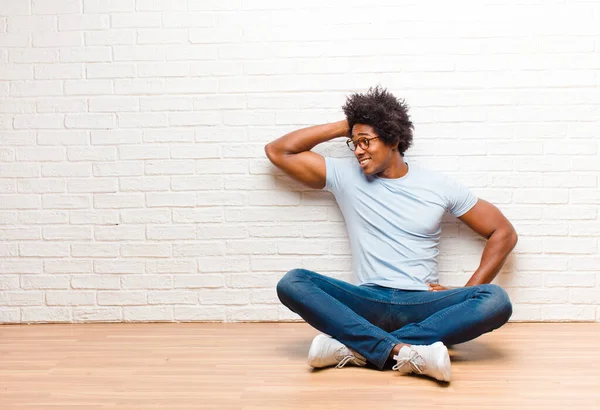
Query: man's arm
[[292, 152], [487, 220]]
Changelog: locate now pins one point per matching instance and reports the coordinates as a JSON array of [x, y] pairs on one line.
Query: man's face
[[373, 155]]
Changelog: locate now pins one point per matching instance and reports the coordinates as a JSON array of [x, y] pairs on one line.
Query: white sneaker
[[326, 351], [431, 360]]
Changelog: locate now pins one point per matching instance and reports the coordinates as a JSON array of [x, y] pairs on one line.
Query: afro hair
[[385, 113]]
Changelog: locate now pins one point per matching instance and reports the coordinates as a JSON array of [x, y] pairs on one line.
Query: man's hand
[[435, 287]]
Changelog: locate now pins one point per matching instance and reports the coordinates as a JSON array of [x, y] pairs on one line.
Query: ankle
[[396, 349]]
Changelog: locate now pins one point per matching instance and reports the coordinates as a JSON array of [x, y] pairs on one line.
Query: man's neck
[[397, 169]]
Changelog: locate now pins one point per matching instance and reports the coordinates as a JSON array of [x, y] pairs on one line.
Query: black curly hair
[[385, 113]]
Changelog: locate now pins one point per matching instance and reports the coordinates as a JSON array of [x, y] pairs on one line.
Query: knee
[[497, 303], [288, 285]]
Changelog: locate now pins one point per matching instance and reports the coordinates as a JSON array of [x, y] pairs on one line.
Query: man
[[393, 212]]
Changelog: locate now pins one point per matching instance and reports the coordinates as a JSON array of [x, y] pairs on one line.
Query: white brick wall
[[133, 183]]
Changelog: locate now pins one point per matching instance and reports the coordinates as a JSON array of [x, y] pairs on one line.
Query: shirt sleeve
[[333, 174], [460, 199]]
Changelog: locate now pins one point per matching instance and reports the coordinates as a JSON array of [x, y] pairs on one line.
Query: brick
[[161, 5], [146, 282], [109, 37], [63, 137], [119, 233], [138, 120], [121, 168], [42, 121], [171, 232], [90, 121], [144, 184], [95, 250], [88, 87], [96, 314], [41, 154], [57, 201], [36, 88], [92, 154], [166, 104], [172, 297], [108, 6], [19, 233], [146, 250], [10, 315], [161, 70], [67, 266], [56, 7], [116, 137], [162, 36], [20, 266], [44, 249], [82, 22], [21, 298], [171, 199], [198, 281], [146, 216], [113, 104], [61, 105], [58, 71], [95, 217], [121, 298], [19, 201], [198, 151], [168, 135], [45, 282], [143, 152], [65, 233], [42, 217], [199, 313], [176, 266], [148, 313], [196, 183], [199, 215], [136, 20], [95, 282], [45, 315], [197, 249], [89, 54], [122, 266], [224, 297], [60, 39], [32, 55], [119, 201]]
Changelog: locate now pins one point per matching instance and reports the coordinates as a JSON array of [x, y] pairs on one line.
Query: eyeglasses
[[362, 142]]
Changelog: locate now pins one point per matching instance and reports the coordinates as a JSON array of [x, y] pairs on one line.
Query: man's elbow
[[512, 238], [270, 152]]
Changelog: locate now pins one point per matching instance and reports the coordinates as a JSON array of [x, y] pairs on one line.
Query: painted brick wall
[[133, 182]]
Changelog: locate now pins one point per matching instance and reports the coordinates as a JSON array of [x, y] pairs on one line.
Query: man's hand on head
[[436, 287]]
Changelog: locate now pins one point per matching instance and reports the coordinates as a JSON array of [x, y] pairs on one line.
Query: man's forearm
[[306, 139], [496, 251]]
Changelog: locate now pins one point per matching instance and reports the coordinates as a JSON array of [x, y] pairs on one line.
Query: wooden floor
[[263, 366]]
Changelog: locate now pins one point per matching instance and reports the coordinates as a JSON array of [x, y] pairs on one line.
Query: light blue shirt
[[394, 225]]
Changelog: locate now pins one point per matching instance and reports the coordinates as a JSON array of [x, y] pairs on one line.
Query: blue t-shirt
[[394, 225]]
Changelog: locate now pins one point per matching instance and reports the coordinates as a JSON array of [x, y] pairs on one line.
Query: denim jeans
[[372, 319]]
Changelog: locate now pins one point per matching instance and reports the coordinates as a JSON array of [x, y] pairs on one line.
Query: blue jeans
[[373, 319]]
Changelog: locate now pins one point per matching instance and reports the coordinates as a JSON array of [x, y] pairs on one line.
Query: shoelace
[[345, 361], [415, 360]]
